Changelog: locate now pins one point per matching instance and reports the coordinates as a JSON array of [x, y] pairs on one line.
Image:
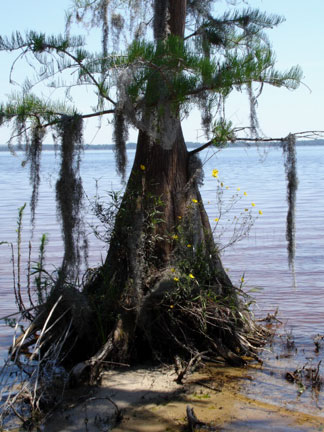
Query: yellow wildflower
[[215, 173], [238, 189], [176, 279], [175, 237], [171, 306], [253, 204], [260, 212], [173, 270], [245, 194], [179, 217], [194, 200], [142, 167], [216, 219], [188, 245], [191, 276]]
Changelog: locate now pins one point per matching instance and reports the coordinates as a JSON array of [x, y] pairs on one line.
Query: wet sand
[[151, 401]]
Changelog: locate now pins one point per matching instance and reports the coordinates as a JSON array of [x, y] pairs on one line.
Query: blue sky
[[299, 40]]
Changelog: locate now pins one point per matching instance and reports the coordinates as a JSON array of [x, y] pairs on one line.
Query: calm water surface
[[261, 257]]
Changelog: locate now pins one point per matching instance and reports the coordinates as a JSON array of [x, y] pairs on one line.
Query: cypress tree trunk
[[161, 213], [163, 275]]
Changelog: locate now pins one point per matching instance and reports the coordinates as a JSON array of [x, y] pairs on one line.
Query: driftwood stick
[[195, 424]]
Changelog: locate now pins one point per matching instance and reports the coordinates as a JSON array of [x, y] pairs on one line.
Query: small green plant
[[105, 209], [42, 280], [228, 223], [152, 220], [19, 231]]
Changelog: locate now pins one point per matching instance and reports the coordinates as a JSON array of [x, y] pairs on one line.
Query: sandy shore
[[151, 401]]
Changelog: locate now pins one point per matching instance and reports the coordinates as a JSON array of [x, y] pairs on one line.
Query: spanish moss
[[120, 136], [117, 24], [34, 155], [205, 105], [290, 160], [105, 31], [69, 193]]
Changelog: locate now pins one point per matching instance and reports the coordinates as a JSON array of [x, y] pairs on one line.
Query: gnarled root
[[190, 329]]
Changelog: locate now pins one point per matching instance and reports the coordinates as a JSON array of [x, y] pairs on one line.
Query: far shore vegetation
[[190, 144]]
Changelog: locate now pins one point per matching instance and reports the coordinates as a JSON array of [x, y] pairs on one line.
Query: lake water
[[261, 257]]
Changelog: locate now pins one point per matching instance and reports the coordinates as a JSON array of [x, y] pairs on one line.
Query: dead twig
[[182, 370], [270, 317]]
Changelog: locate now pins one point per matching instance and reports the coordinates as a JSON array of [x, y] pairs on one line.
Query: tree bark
[[177, 21], [162, 194]]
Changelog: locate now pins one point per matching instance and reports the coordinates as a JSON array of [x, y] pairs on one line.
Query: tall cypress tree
[[153, 297]]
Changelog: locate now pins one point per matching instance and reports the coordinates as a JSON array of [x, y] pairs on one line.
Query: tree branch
[[83, 67], [201, 148], [84, 116], [308, 134], [261, 139], [98, 113]]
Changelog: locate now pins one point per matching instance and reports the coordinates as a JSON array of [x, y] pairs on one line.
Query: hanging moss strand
[[69, 192], [290, 160], [120, 136], [34, 156]]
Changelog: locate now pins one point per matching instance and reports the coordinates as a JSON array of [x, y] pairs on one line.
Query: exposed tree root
[[177, 317], [190, 325]]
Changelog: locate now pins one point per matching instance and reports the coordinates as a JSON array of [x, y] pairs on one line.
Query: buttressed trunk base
[[163, 290]]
